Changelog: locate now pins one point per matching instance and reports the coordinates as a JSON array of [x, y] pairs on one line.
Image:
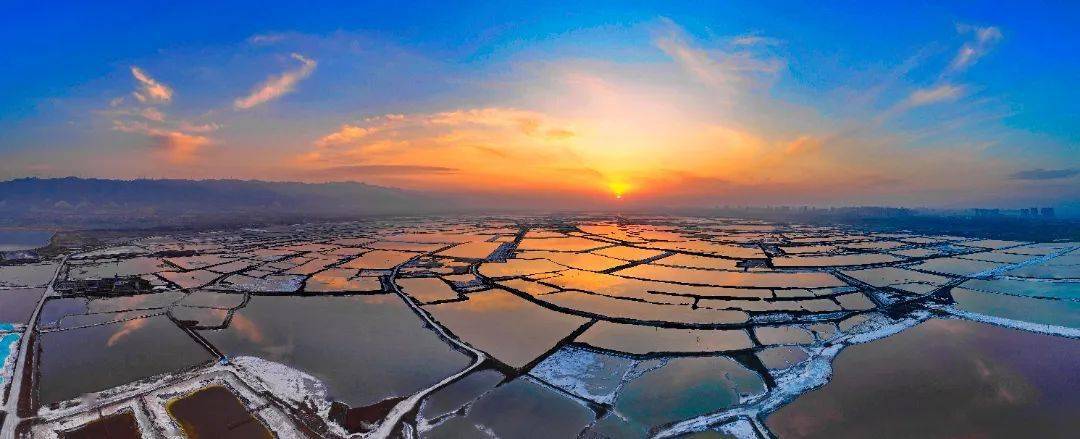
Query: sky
[[935, 104]]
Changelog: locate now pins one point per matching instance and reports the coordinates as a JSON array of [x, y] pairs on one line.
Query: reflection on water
[[110, 355], [510, 328], [945, 378], [366, 348], [684, 388], [522, 408]]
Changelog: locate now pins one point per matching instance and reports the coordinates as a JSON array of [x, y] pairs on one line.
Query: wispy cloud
[[1044, 174], [151, 113], [920, 98], [529, 123], [277, 86], [345, 135], [460, 147], [150, 90], [933, 95], [177, 146], [803, 145], [266, 38], [983, 39], [199, 128], [718, 68], [753, 40]]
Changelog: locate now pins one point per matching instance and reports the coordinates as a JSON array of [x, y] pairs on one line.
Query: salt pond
[[548, 327]]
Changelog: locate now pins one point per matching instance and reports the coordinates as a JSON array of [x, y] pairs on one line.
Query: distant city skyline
[[946, 105]]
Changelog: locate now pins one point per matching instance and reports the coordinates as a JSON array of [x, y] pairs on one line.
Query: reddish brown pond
[[214, 412]]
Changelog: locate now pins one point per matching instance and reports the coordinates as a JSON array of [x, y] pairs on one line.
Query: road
[[11, 406]]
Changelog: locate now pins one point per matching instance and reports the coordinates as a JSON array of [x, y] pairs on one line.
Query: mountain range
[[85, 202]]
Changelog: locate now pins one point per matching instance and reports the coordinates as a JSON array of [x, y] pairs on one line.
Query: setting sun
[[618, 188], [560, 219]]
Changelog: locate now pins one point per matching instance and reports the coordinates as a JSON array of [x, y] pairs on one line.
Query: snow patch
[[1062, 331], [9, 350]]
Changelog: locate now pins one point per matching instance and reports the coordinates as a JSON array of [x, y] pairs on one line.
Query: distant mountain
[[83, 202]]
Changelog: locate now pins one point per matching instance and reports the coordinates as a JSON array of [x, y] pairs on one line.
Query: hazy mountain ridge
[[87, 202]]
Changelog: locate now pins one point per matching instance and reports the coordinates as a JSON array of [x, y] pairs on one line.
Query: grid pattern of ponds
[[507, 326]]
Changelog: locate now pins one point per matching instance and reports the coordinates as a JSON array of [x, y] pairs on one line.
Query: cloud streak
[[984, 39], [277, 86], [178, 146], [933, 95], [716, 68], [150, 91], [345, 135]]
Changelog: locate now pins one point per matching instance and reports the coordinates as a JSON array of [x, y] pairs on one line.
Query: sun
[[618, 188]]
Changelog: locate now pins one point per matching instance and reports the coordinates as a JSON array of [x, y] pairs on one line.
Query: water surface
[[11, 240], [945, 379]]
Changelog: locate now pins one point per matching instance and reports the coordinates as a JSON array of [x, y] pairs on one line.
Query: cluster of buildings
[[1045, 212], [18, 257], [1030, 212], [113, 286]]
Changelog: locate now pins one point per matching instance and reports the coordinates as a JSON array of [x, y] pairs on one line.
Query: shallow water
[[365, 348], [681, 327], [110, 355], [11, 240], [214, 412], [944, 378], [118, 426], [511, 329], [17, 304]]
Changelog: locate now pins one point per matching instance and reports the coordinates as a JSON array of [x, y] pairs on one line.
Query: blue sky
[[934, 103]]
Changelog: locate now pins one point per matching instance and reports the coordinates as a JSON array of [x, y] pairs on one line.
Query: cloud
[[151, 113], [467, 147], [754, 40], [803, 144], [933, 95], [277, 86], [178, 146], [150, 90], [984, 39], [198, 128], [714, 67], [489, 116], [1044, 174], [559, 134], [529, 123], [266, 38], [347, 134]]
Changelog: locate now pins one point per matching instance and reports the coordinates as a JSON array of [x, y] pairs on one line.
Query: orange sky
[[674, 118]]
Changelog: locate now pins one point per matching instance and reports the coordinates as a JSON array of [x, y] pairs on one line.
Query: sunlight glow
[[618, 188]]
